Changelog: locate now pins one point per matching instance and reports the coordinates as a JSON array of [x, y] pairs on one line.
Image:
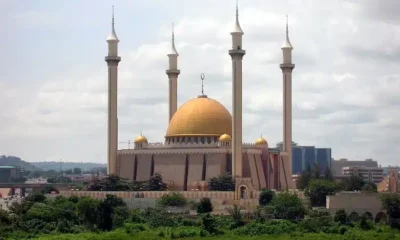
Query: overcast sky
[[346, 83]]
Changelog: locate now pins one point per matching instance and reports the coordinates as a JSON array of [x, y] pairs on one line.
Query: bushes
[[204, 206], [172, 199], [274, 227], [266, 197]]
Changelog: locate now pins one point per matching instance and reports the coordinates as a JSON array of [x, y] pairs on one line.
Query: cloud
[[345, 83]]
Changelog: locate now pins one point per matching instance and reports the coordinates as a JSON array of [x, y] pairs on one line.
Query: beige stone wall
[[172, 168], [216, 165], [128, 163], [253, 171], [260, 171], [143, 167], [195, 170]]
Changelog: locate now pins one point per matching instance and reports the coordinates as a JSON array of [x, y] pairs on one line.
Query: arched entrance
[[381, 217], [353, 217], [243, 192], [368, 215]]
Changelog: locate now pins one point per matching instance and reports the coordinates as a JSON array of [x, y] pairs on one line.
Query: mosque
[[203, 139]]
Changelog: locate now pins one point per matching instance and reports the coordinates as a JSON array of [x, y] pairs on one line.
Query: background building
[[8, 173], [338, 165], [369, 174], [304, 156]]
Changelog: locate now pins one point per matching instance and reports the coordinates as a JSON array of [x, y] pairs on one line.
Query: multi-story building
[[9, 173], [369, 174], [304, 156], [338, 165]]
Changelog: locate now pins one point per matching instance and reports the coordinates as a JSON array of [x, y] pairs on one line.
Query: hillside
[[16, 161], [86, 166]]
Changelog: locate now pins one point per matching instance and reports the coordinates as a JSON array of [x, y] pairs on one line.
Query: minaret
[[287, 68], [173, 73], [112, 60], [237, 54]]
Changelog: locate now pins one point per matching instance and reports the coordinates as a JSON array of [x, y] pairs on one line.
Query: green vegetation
[[284, 217], [223, 182]]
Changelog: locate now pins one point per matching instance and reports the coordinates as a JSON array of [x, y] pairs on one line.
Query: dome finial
[[287, 41], [202, 83], [113, 35]]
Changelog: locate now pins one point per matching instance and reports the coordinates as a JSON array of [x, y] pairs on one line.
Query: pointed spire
[[287, 41], [237, 28], [113, 35], [173, 49]]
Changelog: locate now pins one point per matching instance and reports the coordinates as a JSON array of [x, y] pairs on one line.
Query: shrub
[[273, 227], [158, 217], [340, 216], [204, 206], [172, 199], [135, 227], [222, 183], [266, 197], [288, 206], [209, 224]]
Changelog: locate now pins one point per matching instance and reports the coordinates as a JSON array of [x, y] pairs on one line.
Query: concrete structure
[[287, 67], [35, 186], [369, 174], [357, 204], [337, 165], [112, 60], [203, 140], [173, 73]]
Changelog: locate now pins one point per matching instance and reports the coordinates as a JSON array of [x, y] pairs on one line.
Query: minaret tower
[[287, 67], [112, 60], [173, 73], [237, 54]]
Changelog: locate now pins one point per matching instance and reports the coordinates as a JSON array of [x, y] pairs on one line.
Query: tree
[[340, 216], [68, 171], [223, 182], [155, 183], [288, 206], [328, 174], [305, 178], [105, 216], [391, 204], [204, 206], [87, 211], [369, 187], [77, 171], [316, 172], [172, 199], [353, 183], [236, 215], [266, 196], [317, 191]]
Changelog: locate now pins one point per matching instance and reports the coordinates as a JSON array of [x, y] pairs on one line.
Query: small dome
[[225, 138], [261, 141], [141, 139]]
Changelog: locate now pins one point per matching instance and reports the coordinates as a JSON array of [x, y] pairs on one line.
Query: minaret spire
[[287, 67], [173, 73], [287, 43], [112, 60], [237, 54], [113, 35]]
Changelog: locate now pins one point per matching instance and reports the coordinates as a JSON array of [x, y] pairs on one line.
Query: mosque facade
[[203, 139]]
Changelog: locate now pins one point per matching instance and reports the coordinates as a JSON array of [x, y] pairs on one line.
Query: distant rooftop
[[7, 167]]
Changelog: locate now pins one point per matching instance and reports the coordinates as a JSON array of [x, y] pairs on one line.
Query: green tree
[[316, 172], [369, 187], [223, 182], [172, 199], [305, 178], [204, 206], [87, 211], [266, 196], [317, 191], [391, 204], [237, 216], [155, 183], [340, 216], [105, 216], [77, 171], [288, 206], [353, 183], [328, 175]]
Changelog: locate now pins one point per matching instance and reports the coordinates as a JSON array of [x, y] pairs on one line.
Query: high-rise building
[[307, 156], [338, 165], [369, 174]]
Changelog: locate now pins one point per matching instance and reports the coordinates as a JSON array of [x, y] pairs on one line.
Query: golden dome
[[141, 139], [261, 141], [225, 138], [200, 116]]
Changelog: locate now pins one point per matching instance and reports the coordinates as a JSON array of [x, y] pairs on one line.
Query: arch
[[243, 192], [353, 217], [381, 217], [368, 215]]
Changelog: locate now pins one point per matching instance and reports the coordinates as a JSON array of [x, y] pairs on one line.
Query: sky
[[53, 77]]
